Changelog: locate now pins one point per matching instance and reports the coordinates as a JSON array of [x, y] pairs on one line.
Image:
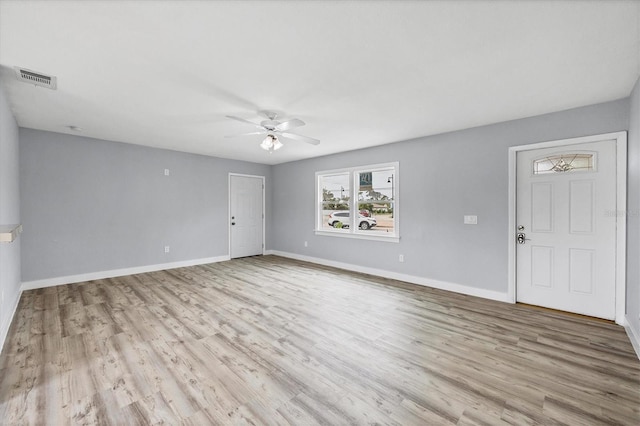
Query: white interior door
[[246, 215], [566, 203]]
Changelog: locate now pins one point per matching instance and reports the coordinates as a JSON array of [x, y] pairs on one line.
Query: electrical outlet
[[306, 244], [401, 258], [166, 249], [167, 172]]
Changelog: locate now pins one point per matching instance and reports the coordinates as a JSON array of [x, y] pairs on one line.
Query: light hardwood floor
[[267, 340]]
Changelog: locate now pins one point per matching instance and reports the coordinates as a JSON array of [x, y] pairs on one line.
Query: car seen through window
[[341, 220]]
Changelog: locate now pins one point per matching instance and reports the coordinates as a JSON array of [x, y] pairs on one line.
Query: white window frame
[[353, 231]]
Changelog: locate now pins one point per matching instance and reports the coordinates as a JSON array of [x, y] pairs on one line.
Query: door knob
[[521, 238]]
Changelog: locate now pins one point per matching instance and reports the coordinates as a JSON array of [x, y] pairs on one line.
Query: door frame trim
[[264, 213], [621, 206]]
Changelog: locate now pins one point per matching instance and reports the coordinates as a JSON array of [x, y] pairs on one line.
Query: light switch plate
[[470, 220]]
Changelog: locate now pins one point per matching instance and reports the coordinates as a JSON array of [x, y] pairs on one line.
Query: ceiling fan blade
[[242, 120], [264, 132], [289, 124], [301, 138]]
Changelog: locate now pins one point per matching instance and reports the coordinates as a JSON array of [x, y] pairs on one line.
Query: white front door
[[246, 215], [566, 203]]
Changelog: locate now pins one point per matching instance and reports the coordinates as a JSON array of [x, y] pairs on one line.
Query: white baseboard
[[634, 336], [442, 285], [6, 323], [70, 279]]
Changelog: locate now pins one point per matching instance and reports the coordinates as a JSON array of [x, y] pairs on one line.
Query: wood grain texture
[[272, 341]]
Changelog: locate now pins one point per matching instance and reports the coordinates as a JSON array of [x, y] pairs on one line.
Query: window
[[563, 163], [359, 202]]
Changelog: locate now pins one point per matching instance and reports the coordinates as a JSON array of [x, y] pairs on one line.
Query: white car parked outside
[[364, 222]]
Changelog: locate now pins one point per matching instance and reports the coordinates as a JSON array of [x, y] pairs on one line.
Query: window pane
[[335, 201], [563, 163], [376, 198]]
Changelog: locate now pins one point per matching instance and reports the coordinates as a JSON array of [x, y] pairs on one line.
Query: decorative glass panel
[[563, 163]]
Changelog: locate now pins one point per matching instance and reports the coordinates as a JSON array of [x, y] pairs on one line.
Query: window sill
[[359, 236]]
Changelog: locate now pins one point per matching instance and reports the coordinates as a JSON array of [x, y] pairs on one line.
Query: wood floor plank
[[272, 341]]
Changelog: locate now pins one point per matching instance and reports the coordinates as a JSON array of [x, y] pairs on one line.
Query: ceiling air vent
[[36, 78]]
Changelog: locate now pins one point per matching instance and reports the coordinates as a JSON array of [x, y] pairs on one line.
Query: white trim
[[511, 266], [427, 282], [264, 210], [360, 236], [621, 228], [368, 167], [621, 201], [70, 279], [634, 337], [6, 325]]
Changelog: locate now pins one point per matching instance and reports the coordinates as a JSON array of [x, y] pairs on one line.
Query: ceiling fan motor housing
[[269, 124]]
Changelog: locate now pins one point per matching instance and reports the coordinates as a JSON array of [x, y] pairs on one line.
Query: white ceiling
[[359, 73]]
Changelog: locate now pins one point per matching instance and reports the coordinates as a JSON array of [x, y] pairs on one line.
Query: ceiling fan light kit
[[275, 130], [271, 143]]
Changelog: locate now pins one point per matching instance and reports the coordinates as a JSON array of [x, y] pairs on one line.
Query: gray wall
[[91, 205], [442, 178], [9, 214], [633, 216]]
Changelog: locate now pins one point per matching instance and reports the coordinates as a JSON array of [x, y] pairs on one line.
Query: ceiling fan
[[274, 130]]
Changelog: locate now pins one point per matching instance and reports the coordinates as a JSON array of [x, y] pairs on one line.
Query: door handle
[[233, 223], [521, 238]]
